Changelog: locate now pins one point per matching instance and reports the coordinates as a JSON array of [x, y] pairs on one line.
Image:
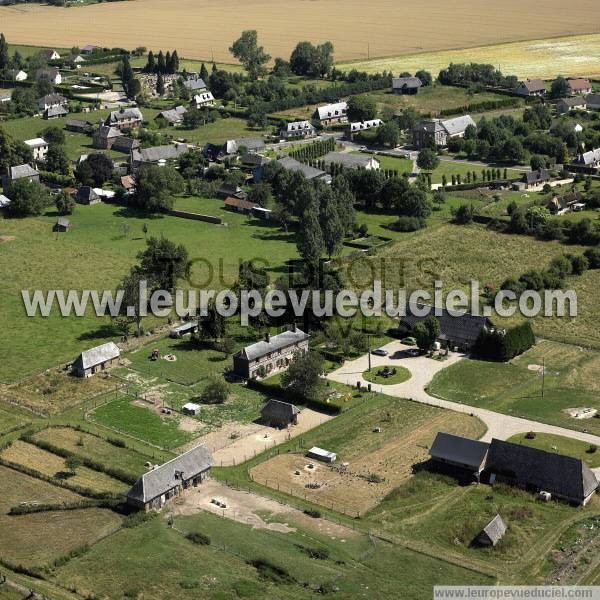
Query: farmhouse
[[52, 75], [78, 126], [157, 155], [406, 85], [579, 86], [173, 116], [169, 480], [589, 160], [52, 101], [74, 60], [62, 225], [567, 478], [438, 132], [49, 55], [19, 172], [323, 455], [39, 147], [298, 129], [203, 99], [460, 453], [253, 161], [532, 179], [351, 161], [364, 125], [276, 413], [250, 145], [331, 113], [230, 190], [457, 329], [56, 112], [531, 87], [271, 355], [95, 359], [559, 205], [111, 138], [291, 164], [87, 195], [125, 118], [492, 533], [566, 105], [593, 101], [194, 83]]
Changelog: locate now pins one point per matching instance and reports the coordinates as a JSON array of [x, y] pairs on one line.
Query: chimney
[[267, 337]]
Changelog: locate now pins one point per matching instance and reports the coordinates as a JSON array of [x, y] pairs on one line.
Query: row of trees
[[166, 64]]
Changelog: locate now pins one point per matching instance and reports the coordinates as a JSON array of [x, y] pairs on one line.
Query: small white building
[[322, 455], [364, 125], [39, 147], [298, 129], [191, 409], [18, 75], [332, 113], [203, 99]]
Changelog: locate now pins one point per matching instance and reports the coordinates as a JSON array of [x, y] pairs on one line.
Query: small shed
[[62, 225], [277, 413], [95, 359], [492, 533], [191, 409], [87, 195], [184, 329], [322, 455]]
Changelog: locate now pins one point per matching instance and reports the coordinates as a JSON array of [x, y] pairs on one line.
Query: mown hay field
[[577, 55], [202, 28]]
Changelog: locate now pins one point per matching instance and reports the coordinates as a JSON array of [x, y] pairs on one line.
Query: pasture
[[570, 382], [38, 538], [377, 461], [436, 26], [170, 569]]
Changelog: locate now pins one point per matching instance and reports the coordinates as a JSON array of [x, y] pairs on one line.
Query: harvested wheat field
[[367, 478], [358, 30]]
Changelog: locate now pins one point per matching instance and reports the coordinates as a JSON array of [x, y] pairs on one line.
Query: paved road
[[423, 369]]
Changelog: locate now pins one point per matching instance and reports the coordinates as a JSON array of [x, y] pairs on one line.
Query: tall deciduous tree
[[303, 376], [163, 263], [250, 54]]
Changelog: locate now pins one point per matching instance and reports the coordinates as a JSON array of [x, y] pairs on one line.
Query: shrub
[[198, 538], [272, 572], [311, 512], [408, 224], [592, 449], [138, 518]]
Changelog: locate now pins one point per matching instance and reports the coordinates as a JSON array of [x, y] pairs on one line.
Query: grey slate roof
[[410, 83], [277, 409], [157, 153], [291, 164], [276, 343], [106, 132], [173, 115], [98, 355], [560, 475], [533, 177], [299, 127], [534, 85], [167, 476], [194, 83], [56, 111], [453, 325], [495, 529], [457, 125], [593, 99], [86, 194], [350, 161], [251, 144], [572, 102], [460, 450], [21, 171], [124, 114], [52, 99]]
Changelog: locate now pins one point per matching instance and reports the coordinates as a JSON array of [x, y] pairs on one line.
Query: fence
[[195, 216]]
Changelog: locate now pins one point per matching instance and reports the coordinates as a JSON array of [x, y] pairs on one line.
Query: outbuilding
[[322, 455], [492, 533], [277, 413], [62, 225], [191, 409], [95, 359]]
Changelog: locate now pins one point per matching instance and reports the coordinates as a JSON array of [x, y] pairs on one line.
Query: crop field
[[170, 570], [35, 539], [51, 465], [546, 58], [94, 448], [445, 517], [102, 245], [377, 462], [570, 382], [436, 26], [458, 254]]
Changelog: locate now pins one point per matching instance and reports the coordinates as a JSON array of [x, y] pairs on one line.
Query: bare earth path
[[423, 369]]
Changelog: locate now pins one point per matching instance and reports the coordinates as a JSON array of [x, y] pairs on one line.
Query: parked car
[[379, 352], [413, 352]]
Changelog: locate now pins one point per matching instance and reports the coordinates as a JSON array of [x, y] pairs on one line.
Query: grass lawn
[[451, 167], [9, 421], [563, 445], [98, 238], [36, 539], [401, 165], [400, 376], [571, 381], [94, 448], [218, 132], [32, 457], [142, 423]]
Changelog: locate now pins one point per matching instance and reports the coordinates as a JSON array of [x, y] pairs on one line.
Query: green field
[[451, 167], [570, 381]]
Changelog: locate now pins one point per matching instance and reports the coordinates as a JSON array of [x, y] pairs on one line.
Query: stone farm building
[[270, 355], [52, 101], [438, 131], [157, 155], [298, 129], [87, 195], [95, 360], [406, 85], [331, 113], [111, 138], [169, 480], [276, 413], [173, 116], [531, 87], [532, 179], [194, 83], [458, 329], [19, 172], [564, 477], [567, 105], [291, 164], [125, 118]]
